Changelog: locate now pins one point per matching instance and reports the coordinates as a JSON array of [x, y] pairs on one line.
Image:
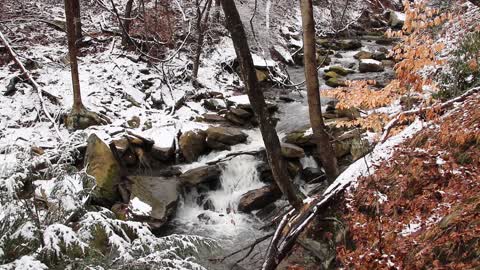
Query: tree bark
[[126, 24], [70, 13], [201, 27], [77, 20], [325, 150], [257, 100]]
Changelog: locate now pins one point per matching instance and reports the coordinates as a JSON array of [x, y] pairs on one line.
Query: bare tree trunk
[[325, 149], [257, 100], [70, 14], [126, 24], [201, 28], [77, 20], [79, 117]]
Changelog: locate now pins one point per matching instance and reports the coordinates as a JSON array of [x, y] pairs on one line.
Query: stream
[[234, 230]]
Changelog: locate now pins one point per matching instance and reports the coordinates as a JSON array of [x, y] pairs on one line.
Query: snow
[[364, 167], [139, 208], [24, 263], [411, 228], [370, 61], [261, 62]]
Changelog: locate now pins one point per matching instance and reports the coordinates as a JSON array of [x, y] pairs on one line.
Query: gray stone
[[203, 174], [292, 151], [370, 65], [228, 136], [159, 193], [258, 198]]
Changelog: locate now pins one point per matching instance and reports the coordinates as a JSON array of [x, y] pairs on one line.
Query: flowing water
[[230, 228]]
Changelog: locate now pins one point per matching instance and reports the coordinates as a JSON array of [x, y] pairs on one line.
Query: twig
[[251, 246]]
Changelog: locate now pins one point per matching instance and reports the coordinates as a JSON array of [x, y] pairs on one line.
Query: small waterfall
[[239, 175]]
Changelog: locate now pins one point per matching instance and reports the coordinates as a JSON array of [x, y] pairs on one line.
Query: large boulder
[[225, 135], [102, 165], [259, 198], [292, 151], [153, 199], [193, 144], [370, 65], [203, 174]]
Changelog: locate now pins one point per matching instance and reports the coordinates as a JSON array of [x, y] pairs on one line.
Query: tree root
[[83, 118]]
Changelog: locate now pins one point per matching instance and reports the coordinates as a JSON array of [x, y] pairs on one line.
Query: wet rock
[[259, 198], [204, 217], [166, 154], [335, 82], [234, 119], [153, 199], [363, 55], [330, 74], [267, 212], [341, 70], [379, 56], [294, 167], [292, 151], [225, 135], [241, 113], [193, 144], [370, 65], [102, 165], [203, 174], [385, 41], [265, 172], [301, 137], [11, 87], [208, 205]]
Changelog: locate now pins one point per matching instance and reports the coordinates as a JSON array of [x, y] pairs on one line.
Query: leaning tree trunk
[[79, 117], [77, 21], [257, 100], [201, 28], [126, 24], [325, 149]]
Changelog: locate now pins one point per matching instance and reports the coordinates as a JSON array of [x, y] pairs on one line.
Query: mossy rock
[[335, 82], [341, 70], [330, 74], [300, 137], [102, 165], [262, 75]]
